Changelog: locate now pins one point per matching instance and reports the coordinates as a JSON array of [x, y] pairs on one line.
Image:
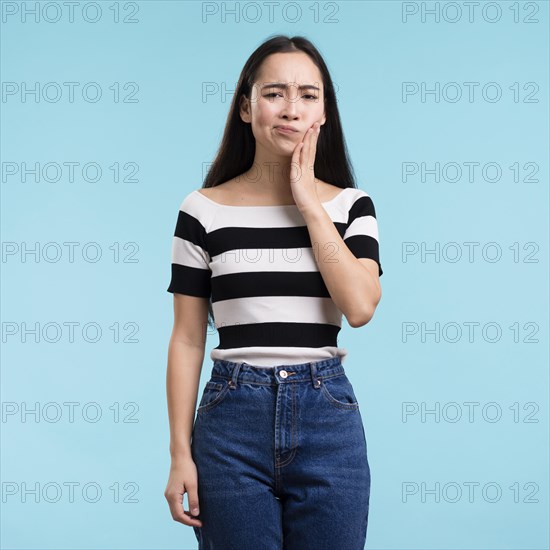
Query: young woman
[[276, 246]]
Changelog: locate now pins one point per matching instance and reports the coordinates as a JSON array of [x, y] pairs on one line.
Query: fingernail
[[195, 511]]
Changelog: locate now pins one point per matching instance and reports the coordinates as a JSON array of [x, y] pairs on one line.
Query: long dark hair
[[238, 145]]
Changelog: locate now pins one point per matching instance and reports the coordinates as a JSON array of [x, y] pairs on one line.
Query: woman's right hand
[[183, 479]]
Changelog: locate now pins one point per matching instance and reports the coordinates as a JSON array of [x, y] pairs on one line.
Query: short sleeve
[[361, 235], [190, 258]]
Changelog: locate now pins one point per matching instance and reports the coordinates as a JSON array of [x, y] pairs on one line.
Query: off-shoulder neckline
[[265, 205]]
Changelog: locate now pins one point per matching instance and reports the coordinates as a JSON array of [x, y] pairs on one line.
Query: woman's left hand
[[302, 176]]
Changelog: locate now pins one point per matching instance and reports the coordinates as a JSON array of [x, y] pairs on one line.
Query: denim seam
[[214, 402], [337, 404]]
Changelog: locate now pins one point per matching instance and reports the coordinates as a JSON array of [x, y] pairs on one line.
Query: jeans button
[[283, 373]]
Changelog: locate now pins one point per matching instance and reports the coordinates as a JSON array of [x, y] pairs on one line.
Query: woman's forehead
[[296, 69]]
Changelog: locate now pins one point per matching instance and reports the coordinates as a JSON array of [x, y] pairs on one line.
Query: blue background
[[172, 132]]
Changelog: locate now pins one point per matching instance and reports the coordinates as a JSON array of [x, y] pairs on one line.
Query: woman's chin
[[284, 150]]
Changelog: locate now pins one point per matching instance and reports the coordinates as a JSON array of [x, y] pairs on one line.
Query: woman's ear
[[244, 109]]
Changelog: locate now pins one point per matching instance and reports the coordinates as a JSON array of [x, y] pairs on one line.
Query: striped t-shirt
[[270, 303]]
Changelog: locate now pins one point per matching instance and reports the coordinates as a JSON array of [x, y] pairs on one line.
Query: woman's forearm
[[182, 383]]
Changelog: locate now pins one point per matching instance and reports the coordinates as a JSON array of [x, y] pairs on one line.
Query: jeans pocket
[[213, 394], [338, 391]]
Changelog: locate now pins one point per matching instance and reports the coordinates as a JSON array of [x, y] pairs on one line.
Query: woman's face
[[288, 104]]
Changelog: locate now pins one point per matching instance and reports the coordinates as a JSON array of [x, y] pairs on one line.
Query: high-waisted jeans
[[281, 457]]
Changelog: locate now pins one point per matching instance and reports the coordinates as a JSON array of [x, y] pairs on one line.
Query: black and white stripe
[[270, 303]]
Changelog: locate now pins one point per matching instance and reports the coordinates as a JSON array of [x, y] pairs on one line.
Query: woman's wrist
[[183, 452]]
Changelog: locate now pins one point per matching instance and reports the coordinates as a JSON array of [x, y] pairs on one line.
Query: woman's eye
[[310, 96]]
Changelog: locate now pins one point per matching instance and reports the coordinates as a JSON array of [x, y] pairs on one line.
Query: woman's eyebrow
[[284, 86]]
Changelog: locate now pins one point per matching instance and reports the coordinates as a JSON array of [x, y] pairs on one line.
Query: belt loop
[[316, 381], [235, 375]]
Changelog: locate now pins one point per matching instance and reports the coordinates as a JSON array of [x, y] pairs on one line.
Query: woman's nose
[[290, 108]]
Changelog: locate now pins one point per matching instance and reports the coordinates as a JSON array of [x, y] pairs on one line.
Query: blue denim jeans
[[281, 457]]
